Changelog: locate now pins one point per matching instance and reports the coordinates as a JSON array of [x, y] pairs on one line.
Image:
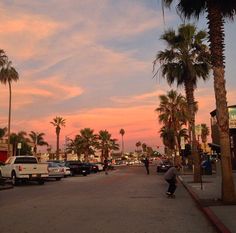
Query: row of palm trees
[[87, 142], [179, 65], [185, 61]]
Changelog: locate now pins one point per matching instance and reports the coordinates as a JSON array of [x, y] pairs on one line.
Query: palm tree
[[8, 74], [37, 139], [106, 144], [86, 142], [186, 60], [122, 132], [173, 115], [204, 133], [20, 137], [217, 12], [138, 144], [58, 122]]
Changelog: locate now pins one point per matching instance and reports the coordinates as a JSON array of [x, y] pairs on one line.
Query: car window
[[27, 160]]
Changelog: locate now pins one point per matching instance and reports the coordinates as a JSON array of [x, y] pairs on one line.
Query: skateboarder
[[170, 177]]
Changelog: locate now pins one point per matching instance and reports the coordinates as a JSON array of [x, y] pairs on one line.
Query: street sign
[[19, 145]]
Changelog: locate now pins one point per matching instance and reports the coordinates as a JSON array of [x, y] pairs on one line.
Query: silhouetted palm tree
[[8, 74], [122, 133], [58, 122], [37, 139], [106, 144]]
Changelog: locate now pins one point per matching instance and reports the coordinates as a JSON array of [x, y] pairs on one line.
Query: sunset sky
[[90, 62]]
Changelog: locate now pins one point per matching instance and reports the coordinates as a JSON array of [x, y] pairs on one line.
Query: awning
[[214, 147]]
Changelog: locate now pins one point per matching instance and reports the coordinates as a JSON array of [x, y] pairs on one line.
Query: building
[[215, 145]]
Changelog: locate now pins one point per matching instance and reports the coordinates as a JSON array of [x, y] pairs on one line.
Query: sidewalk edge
[[215, 221]]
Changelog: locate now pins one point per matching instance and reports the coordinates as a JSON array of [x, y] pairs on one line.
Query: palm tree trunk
[[122, 144], [9, 123], [57, 150], [217, 50], [189, 89]]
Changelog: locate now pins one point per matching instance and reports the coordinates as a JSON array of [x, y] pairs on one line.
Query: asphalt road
[[124, 201]]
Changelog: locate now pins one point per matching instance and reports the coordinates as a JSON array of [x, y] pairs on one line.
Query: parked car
[[62, 164], [55, 171], [164, 166], [77, 167], [93, 168], [100, 166], [27, 168], [66, 169]]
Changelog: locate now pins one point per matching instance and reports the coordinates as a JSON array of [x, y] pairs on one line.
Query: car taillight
[[20, 168]]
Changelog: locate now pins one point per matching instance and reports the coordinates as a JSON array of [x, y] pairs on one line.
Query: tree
[[122, 132], [204, 133], [138, 144], [8, 74], [106, 144], [173, 114], [20, 137], [58, 122], [217, 11], [86, 142], [185, 61], [37, 139]]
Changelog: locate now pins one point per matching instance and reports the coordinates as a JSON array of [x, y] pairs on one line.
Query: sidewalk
[[207, 195]]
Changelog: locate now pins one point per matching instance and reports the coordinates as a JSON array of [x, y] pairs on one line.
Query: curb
[[5, 187], [215, 221]]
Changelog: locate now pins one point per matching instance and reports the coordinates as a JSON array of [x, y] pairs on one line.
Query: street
[[125, 201]]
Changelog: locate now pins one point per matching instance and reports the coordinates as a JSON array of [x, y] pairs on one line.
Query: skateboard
[[170, 195]]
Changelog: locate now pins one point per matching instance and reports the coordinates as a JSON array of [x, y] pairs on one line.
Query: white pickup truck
[[19, 168]]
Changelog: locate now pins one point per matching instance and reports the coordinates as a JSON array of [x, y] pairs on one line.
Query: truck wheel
[[14, 179], [40, 182]]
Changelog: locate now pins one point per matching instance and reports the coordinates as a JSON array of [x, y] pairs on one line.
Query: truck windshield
[[27, 160]]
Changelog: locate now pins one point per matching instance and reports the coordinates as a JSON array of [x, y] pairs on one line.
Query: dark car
[[78, 168], [93, 168], [163, 167]]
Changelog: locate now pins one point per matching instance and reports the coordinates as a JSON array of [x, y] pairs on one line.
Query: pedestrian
[[170, 177], [146, 164], [106, 166]]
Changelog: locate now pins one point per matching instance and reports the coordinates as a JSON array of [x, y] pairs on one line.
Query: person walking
[[170, 177], [146, 164]]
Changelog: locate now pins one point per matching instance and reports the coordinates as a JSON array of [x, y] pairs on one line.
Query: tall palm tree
[[37, 139], [58, 122], [217, 11], [173, 114], [185, 61], [8, 74], [122, 133]]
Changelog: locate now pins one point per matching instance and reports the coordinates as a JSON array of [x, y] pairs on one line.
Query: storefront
[[232, 132]]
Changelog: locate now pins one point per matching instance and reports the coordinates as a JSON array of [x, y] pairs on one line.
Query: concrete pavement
[[208, 197]]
